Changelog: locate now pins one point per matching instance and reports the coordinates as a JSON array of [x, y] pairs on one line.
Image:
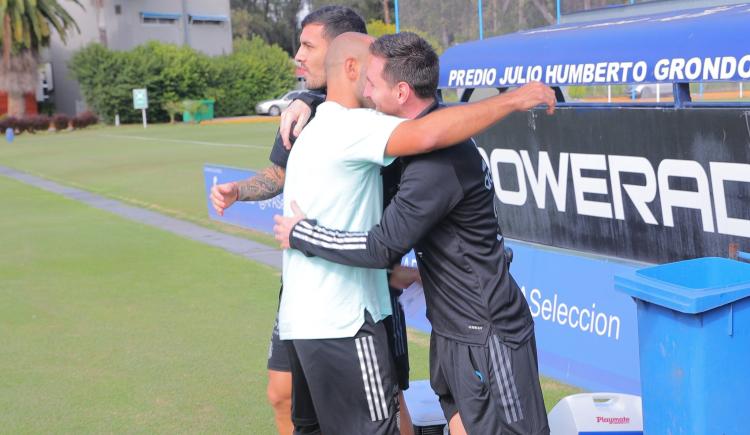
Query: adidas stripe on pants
[[350, 382]]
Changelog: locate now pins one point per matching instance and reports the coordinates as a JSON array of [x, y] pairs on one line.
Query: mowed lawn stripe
[[184, 141], [166, 176]]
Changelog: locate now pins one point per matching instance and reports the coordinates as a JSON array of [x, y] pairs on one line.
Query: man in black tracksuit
[[483, 362]]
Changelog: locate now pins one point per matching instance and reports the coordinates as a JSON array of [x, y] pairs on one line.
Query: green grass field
[[111, 326], [158, 168]]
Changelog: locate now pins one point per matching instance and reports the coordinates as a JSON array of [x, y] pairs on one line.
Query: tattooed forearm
[[266, 184]]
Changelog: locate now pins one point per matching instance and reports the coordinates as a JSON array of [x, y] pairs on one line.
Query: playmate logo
[[613, 420]]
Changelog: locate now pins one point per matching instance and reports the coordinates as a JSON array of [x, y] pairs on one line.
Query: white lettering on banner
[[639, 195], [675, 70], [593, 185], [508, 196], [408, 261], [472, 77], [700, 200], [536, 73], [708, 197], [587, 319], [640, 69], [661, 69], [546, 176], [708, 68], [743, 67], [721, 172], [692, 68], [667, 69]]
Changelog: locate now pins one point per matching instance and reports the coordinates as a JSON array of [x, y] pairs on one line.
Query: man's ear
[[351, 68], [404, 91]]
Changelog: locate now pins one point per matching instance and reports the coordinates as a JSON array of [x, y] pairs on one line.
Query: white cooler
[[424, 407], [597, 413]]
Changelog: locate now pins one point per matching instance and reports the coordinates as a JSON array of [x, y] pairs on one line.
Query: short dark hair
[[336, 20], [410, 59]]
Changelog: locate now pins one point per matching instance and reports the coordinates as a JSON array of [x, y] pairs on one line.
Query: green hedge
[[254, 71]]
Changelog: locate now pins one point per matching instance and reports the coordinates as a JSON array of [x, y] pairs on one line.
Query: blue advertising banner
[[257, 216], [697, 45], [586, 332]]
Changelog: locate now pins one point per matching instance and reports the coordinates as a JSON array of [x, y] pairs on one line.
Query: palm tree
[[26, 29]]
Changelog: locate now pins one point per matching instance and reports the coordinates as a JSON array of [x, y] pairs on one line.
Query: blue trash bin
[[694, 342]]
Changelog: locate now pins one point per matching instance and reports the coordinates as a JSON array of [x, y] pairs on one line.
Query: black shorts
[[278, 355], [349, 381], [494, 387], [396, 328]]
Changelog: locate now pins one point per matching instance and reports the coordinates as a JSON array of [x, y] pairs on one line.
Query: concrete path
[[237, 245]]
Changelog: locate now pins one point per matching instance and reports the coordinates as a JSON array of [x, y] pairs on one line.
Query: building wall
[[67, 94], [128, 29], [120, 27], [210, 39]]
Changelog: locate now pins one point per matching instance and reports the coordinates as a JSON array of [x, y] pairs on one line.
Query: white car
[[274, 107], [648, 90]]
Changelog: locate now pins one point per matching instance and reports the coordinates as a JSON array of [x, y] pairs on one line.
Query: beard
[[315, 83], [363, 101], [366, 103]]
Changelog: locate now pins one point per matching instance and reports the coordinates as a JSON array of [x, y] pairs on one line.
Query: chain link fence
[[449, 22]]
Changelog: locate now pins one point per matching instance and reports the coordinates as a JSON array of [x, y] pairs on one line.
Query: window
[[159, 18], [208, 20]]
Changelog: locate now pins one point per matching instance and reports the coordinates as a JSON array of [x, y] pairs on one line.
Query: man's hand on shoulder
[[293, 120], [285, 224]]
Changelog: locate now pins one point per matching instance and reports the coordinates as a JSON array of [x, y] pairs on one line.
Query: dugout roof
[[696, 45]]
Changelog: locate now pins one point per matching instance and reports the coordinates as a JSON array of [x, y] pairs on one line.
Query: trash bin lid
[[690, 286]]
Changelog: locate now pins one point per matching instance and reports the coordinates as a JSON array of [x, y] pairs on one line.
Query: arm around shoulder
[[446, 127]]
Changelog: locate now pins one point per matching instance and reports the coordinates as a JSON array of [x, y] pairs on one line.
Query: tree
[[377, 28], [275, 21], [253, 72], [26, 29], [369, 9], [452, 22]]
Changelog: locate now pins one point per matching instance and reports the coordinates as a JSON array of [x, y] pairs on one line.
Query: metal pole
[[185, 22], [143, 113], [395, 12], [558, 11], [741, 92], [481, 20], [609, 93]]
